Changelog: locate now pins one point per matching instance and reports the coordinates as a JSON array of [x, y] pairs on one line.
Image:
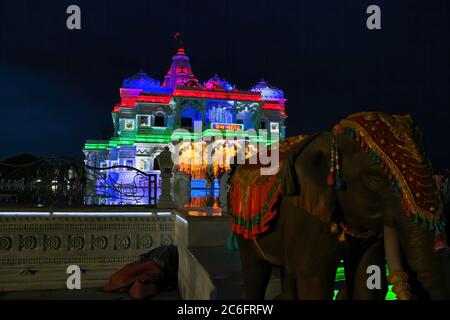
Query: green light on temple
[[166, 137], [95, 146]]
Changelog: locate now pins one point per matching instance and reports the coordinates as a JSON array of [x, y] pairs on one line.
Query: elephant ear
[[304, 177]]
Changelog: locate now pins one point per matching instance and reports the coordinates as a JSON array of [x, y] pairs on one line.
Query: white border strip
[[80, 214]]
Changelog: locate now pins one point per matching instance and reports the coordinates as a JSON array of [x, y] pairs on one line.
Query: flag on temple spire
[[178, 38]]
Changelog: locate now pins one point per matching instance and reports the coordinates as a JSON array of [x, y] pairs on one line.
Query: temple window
[[243, 117], [113, 164], [186, 122], [159, 120], [143, 163], [188, 116], [262, 125], [129, 163], [144, 121], [274, 127], [127, 124]]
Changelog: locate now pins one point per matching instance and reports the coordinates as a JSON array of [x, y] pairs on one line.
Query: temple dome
[[267, 91], [215, 83], [141, 80]]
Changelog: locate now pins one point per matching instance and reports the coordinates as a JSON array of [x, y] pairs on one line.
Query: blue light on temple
[[215, 83], [142, 80], [220, 114], [191, 112], [267, 91]]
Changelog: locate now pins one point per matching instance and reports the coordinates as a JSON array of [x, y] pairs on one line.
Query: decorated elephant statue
[[363, 193]]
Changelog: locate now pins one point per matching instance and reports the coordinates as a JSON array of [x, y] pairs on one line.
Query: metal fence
[[61, 182]]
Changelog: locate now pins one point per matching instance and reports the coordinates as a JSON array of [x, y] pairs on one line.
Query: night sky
[[58, 87]]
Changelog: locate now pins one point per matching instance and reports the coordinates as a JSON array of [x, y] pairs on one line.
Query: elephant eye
[[374, 181]]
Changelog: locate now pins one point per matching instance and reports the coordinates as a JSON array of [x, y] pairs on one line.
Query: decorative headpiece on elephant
[[394, 143], [366, 180]]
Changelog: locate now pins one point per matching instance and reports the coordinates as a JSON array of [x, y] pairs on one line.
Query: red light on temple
[[116, 107], [131, 101], [273, 106], [221, 95]]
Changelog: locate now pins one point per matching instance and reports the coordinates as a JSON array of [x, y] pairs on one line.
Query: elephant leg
[[255, 269], [374, 255], [350, 266], [316, 260], [312, 254], [317, 285], [288, 286]]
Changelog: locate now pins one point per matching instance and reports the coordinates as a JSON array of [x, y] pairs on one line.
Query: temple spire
[[180, 70], [180, 47], [179, 39]]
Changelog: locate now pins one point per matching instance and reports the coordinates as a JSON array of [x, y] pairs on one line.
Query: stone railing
[[37, 247]]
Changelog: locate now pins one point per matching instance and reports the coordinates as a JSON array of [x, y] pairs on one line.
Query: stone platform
[[37, 246]]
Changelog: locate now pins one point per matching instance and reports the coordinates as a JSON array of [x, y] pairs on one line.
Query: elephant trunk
[[429, 269]]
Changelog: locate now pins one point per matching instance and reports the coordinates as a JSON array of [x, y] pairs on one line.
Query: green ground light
[[166, 137], [340, 276]]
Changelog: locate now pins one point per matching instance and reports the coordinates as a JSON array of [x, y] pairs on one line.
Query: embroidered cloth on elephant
[[395, 142], [254, 197]]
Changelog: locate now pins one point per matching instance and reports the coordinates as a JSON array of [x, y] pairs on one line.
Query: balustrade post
[[166, 166]]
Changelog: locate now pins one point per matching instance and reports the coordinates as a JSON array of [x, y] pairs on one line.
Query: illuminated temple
[[149, 112]]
